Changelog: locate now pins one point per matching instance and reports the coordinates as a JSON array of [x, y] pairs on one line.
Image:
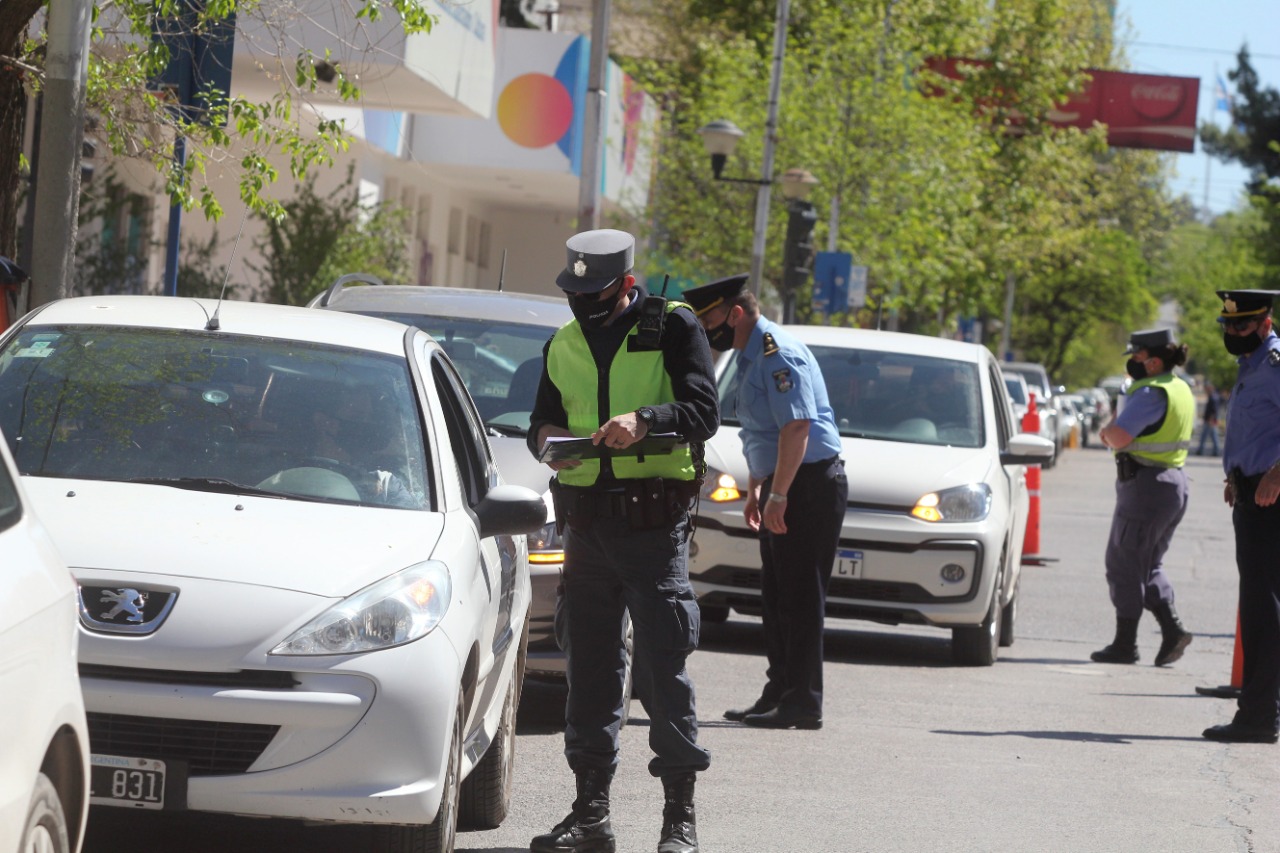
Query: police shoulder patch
[[1273, 357], [770, 345], [782, 380]]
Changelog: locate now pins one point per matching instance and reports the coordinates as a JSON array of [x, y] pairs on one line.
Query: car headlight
[[391, 612], [721, 487], [546, 545], [962, 503]]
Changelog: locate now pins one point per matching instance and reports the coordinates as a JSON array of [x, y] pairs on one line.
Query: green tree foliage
[[136, 121], [322, 237]]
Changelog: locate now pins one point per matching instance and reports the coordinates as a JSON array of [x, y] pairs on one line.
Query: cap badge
[[1229, 305], [579, 269]]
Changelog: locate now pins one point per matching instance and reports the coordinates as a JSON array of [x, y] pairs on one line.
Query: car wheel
[[979, 646], [46, 827], [629, 676], [440, 835], [1009, 616], [714, 614], [486, 793]]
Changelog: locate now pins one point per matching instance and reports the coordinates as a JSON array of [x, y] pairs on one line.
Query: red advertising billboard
[[1139, 110]]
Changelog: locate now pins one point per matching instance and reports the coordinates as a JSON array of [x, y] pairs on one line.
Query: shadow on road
[[1081, 737], [841, 644]]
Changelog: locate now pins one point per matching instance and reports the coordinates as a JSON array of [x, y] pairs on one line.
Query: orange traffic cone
[[1232, 690], [1031, 539]]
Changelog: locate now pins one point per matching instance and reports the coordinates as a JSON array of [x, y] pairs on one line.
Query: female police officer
[[625, 366], [1151, 436]]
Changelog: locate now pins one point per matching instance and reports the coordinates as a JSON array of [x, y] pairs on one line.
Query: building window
[[455, 231]]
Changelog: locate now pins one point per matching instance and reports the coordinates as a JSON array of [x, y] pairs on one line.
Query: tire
[[629, 679], [486, 794], [1009, 616], [979, 646], [714, 614], [441, 834], [46, 828]]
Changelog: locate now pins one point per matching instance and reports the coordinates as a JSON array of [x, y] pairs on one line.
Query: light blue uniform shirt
[[1253, 414], [778, 387], [1141, 410]]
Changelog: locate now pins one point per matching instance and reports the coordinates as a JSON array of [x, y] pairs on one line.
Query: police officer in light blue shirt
[[1251, 457], [796, 497]]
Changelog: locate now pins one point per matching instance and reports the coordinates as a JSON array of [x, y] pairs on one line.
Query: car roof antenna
[[502, 272], [213, 325]]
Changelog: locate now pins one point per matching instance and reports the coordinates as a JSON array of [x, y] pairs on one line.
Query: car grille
[[906, 593], [246, 678], [209, 748]]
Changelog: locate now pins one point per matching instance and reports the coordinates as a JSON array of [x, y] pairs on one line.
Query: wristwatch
[[648, 415]]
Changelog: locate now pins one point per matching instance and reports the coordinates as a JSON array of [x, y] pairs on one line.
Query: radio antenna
[[213, 325], [665, 279], [502, 272]]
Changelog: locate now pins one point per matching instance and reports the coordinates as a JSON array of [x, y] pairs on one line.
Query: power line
[[1193, 49]]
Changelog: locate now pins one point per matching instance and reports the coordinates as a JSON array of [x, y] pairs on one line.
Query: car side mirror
[[1027, 448], [509, 510]]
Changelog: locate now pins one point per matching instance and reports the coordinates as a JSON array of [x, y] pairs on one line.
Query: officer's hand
[[550, 431], [1228, 496], [1268, 488], [751, 512], [774, 516], [620, 432]]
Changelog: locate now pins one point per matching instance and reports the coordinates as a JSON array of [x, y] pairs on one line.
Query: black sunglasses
[[1239, 324]]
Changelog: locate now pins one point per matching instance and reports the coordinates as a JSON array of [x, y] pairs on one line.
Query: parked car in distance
[[1019, 395], [304, 586], [44, 777], [937, 505], [1038, 383], [495, 339]]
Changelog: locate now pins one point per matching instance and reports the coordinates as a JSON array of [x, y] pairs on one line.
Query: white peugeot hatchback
[[304, 588], [44, 774], [937, 505]]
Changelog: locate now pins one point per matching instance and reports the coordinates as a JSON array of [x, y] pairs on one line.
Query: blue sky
[[1190, 38]]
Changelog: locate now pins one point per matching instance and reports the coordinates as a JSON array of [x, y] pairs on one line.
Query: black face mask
[[721, 337], [1136, 369], [591, 312], [1241, 344]]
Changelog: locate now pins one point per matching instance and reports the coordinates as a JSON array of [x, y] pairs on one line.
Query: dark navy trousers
[[611, 569], [1258, 560], [1148, 510], [795, 569]]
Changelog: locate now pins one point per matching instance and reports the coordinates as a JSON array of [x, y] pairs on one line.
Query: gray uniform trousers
[[1148, 510]]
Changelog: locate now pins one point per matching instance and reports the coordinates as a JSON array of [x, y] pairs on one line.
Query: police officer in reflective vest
[[1251, 457], [1150, 437], [796, 497], [628, 365]]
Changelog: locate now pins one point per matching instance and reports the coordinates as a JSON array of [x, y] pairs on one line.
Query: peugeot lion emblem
[[579, 268], [124, 609]]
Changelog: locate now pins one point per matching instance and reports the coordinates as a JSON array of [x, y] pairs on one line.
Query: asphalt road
[[1045, 751]]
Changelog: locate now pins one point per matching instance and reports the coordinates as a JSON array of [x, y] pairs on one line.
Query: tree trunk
[[15, 16]]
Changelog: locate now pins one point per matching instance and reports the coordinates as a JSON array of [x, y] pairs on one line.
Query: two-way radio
[[653, 314]]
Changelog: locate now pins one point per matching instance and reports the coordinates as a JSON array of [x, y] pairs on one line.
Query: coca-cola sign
[[1157, 100]]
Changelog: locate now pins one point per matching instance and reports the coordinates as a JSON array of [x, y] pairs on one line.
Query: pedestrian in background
[[1150, 437], [1251, 458], [611, 377], [795, 499], [1209, 427]]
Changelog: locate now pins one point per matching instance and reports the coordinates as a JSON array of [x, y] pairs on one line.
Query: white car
[[938, 500], [304, 587], [495, 339], [44, 776]]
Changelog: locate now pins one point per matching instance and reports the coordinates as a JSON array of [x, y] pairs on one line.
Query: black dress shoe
[[761, 706], [783, 718], [1242, 733]]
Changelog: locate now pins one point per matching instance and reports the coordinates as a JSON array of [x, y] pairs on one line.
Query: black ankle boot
[[587, 828], [679, 826], [1124, 648], [1174, 638]]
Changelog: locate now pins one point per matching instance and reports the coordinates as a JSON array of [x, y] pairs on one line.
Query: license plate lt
[[116, 780]]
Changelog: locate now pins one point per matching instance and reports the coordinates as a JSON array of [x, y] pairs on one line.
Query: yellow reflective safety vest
[[635, 378], [1167, 446]]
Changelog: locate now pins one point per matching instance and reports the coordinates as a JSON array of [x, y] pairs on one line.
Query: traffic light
[[797, 253]]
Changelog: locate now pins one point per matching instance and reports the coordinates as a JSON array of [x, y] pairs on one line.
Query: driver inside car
[[357, 434]]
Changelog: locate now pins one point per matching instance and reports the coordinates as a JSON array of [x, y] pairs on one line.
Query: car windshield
[[214, 412], [1017, 391], [889, 396], [499, 362]]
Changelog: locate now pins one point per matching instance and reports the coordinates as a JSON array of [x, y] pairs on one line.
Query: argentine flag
[[1221, 98]]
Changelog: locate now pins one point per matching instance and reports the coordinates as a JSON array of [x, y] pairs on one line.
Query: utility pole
[[770, 141], [593, 120], [61, 137]]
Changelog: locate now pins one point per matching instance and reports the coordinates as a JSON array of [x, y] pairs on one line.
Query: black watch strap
[[648, 415]]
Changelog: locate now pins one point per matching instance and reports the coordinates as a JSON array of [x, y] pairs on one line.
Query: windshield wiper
[[508, 430], [204, 484]]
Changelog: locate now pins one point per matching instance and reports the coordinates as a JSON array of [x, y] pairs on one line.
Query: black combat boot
[[586, 829], [1174, 637], [1124, 648], [679, 827]]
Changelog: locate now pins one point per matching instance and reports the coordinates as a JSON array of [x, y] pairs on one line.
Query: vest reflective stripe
[[634, 379], [1167, 446]]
